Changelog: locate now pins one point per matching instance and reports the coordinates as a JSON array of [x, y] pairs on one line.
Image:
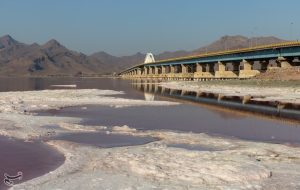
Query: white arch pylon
[[149, 58]]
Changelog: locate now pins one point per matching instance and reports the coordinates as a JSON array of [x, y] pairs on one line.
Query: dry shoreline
[[235, 164]]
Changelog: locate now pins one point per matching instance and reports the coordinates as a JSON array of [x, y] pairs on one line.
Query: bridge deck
[[266, 52]]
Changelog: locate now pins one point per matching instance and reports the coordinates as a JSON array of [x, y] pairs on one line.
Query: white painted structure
[[149, 58]]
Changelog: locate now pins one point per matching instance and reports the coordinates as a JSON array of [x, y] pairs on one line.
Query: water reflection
[[149, 97], [244, 103], [185, 117]]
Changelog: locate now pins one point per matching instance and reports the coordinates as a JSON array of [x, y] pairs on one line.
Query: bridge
[[239, 63]]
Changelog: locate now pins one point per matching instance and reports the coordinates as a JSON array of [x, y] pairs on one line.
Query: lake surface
[[31, 158], [35, 159], [192, 117], [103, 140]]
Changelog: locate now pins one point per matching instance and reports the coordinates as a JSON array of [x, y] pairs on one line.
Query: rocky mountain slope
[[52, 58]]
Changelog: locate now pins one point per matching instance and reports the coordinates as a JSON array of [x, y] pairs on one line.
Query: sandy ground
[[284, 94], [232, 164], [281, 74]]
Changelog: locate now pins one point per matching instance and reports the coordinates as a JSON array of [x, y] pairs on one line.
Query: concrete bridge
[[241, 63]]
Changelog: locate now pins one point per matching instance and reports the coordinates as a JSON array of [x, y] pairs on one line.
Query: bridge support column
[[199, 72], [199, 67], [144, 71], [284, 63], [183, 69], [246, 70], [221, 66], [264, 65], [163, 69], [152, 70], [172, 69], [221, 71], [156, 70], [148, 70], [171, 74], [139, 71], [203, 71]]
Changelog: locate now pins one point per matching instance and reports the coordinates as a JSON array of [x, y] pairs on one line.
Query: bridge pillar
[[220, 66], [264, 65], [284, 63], [156, 70], [236, 66], [152, 69], [246, 69], [143, 70], [199, 67], [184, 68], [172, 69], [163, 69], [221, 71], [139, 71], [204, 71], [148, 70], [210, 68]]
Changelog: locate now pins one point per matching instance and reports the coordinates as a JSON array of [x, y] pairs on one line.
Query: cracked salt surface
[[238, 165]]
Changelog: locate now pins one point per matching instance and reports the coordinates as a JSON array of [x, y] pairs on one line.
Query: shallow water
[[188, 118], [28, 84], [31, 158], [100, 139], [193, 147]]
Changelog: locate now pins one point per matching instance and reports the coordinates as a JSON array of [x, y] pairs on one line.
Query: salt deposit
[[237, 165]]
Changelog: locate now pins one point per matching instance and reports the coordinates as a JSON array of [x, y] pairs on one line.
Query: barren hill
[[52, 58]]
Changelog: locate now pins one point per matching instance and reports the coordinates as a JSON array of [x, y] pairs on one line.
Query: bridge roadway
[[240, 63]]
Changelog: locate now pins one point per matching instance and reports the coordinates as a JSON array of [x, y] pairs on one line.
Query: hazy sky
[[123, 27]]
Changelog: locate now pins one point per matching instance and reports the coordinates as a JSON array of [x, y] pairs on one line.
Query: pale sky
[[125, 27]]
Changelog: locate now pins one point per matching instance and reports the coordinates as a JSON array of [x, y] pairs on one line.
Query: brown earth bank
[[280, 74]]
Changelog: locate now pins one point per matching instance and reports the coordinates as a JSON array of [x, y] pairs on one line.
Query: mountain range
[[54, 59]]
